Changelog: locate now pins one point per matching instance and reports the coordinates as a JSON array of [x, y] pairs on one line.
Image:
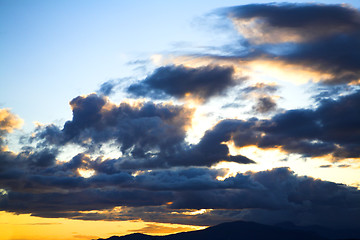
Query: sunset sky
[[167, 116]]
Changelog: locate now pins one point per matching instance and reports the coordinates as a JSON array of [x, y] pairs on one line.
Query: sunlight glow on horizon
[[27, 227]]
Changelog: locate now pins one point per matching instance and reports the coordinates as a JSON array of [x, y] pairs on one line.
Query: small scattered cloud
[[265, 105], [344, 165], [326, 166]]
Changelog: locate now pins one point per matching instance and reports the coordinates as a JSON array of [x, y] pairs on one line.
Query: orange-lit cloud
[[9, 121], [162, 229]]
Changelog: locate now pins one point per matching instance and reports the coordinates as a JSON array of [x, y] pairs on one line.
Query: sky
[[166, 116]]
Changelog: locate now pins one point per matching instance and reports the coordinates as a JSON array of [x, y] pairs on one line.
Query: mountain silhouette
[[241, 230]]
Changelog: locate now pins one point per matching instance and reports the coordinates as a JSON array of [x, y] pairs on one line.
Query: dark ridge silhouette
[[240, 230], [346, 234], [133, 236]]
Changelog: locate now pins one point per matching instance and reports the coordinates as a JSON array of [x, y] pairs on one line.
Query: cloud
[[85, 200], [264, 97], [37, 183], [265, 104], [40, 190], [137, 129], [336, 55], [321, 38], [344, 166], [148, 135], [21, 176], [8, 122], [107, 88], [261, 88], [274, 23], [331, 128], [326, 166], [180, 82], [281, 195]]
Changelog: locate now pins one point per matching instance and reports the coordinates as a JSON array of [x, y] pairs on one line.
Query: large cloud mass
[[332, 128], [35, 182], [321, 38], [136, 128]]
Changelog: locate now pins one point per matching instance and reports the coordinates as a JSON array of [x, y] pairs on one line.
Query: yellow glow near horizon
[[27, 227]]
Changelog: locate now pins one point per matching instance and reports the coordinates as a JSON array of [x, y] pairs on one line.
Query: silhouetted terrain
[[251, 231]]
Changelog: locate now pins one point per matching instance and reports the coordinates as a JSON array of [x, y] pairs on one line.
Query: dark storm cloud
[[285, 196], [149, 135], [210, 150], [324, 38], [179, 81], [91, 199], [157, 180], [27, 160], [213, 146], [332, 128], [279, 195], [281, 189], [337, 55], [38, 171], [309, 20], [40, 190], [137, 129]]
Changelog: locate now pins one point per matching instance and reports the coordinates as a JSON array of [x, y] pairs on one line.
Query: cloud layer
[[167, 196]]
